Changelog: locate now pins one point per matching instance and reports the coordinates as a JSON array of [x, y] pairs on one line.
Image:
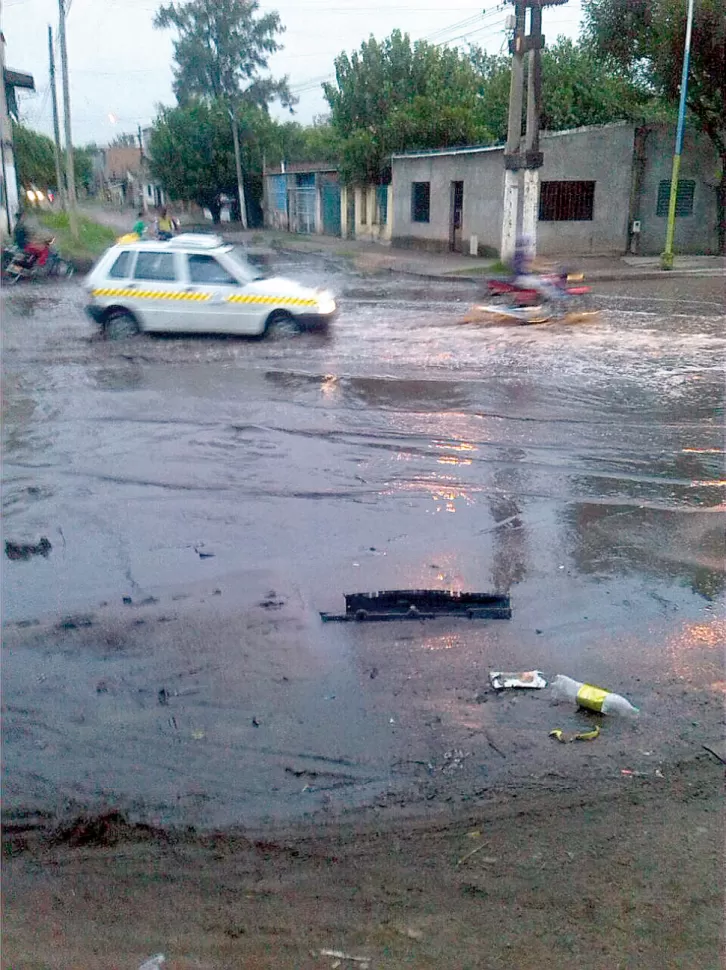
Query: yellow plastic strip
[[591, 697]]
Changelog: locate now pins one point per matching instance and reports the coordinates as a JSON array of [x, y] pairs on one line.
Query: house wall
[[696, 233], [602, 154], [372, 224], [482, 173]]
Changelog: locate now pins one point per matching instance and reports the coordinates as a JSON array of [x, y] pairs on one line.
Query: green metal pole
[[666, 259]]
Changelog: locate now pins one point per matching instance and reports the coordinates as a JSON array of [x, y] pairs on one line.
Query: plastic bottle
[[593, 698]]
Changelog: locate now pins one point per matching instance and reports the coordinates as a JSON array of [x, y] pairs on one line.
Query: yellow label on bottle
[[591, 697]]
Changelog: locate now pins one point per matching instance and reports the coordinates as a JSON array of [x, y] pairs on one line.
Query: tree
[[191, 154], [390, 96], [125, 140], [646, 38], [35, 160], [220, 50], [34, 157], [578, 88]]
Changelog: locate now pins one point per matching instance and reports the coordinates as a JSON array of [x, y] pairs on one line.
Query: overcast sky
[[121, 66]]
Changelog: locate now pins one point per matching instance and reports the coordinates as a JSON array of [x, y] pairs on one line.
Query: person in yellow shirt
[[164, 224]]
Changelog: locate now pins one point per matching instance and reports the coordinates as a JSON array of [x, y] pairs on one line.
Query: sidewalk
[[375, 258]]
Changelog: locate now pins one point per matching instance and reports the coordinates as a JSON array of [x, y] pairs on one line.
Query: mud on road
[[205, 498]]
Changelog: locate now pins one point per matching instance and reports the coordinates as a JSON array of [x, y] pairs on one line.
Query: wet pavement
[[229, 489]]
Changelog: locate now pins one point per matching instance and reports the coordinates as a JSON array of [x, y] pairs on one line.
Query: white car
[[196, 283]]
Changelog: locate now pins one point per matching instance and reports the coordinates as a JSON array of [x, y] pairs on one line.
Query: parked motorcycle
[[19, 264]]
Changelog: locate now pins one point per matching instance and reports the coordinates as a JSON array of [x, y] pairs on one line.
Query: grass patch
[[93, 238]]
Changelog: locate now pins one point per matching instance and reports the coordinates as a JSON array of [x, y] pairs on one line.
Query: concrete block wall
[[696, 233]]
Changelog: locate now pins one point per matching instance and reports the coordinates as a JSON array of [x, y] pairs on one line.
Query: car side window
[[206, 269], [155, 266], [122, 267]]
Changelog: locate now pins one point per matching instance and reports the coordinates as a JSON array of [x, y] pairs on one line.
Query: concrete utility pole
[[70, 168], [532, 156], [516, 218], [56, 127], [238, 166], [514, 136]]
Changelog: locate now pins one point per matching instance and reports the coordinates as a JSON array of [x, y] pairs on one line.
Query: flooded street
[[204, 498]]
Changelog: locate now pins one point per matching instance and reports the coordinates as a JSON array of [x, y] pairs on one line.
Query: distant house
[[603, 190], [123, 174], [11, 80], [153, 193], [308, 197], [302, 197]]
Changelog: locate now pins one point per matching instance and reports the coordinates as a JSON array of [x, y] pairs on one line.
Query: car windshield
[[244, 269]]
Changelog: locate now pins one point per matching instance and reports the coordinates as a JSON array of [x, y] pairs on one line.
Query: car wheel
[[280, 323], [120, 325]]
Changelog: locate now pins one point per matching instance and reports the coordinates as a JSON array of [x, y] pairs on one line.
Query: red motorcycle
[[33, 262], [552, 288]]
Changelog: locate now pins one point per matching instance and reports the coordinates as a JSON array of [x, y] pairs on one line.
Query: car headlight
[[326, 305]]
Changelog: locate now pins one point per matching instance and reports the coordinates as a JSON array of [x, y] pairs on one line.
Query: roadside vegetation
[[93, 238]]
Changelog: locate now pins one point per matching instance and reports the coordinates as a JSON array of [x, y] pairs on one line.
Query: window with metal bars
[[566, 201], [420, 201], [684, 198]]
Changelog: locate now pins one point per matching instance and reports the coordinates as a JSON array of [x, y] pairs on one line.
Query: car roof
[[197, 241]]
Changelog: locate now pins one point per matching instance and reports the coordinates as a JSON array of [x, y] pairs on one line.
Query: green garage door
[[331, 208]]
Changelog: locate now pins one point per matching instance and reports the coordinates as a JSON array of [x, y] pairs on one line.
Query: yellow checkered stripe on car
[[152, 294], [278, 300]]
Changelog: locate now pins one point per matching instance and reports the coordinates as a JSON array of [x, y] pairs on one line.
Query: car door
[[155, 290], [221, 310]]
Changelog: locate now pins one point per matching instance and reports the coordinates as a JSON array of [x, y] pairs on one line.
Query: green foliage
[[392, 96], [221, 46], [192, 154], [34, 157], [93, 238], [125, 140], [646, 38], [35, 160], [292, 142], [578, 88]]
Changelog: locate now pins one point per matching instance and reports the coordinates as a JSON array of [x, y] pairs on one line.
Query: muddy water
[[578, 468]]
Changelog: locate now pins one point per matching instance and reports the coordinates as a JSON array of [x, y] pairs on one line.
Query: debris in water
[[421, 604], [531, 679], [154, 963], [75, 622], [582, 736], [202, 552], [718, 748], [25, 550], [339, 955]]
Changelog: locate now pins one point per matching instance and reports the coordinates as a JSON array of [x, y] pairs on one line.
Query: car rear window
[[155, 266], [206, 269], [122, 267]]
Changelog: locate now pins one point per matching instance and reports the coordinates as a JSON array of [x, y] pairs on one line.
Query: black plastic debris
[[421, 604], [24, 550]]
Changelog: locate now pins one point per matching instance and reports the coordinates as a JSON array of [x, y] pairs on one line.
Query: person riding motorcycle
[[524, 277], [35, 247]]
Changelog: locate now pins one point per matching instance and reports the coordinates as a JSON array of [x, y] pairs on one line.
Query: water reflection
[[697, 652], [685, 546], [510, 554]]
